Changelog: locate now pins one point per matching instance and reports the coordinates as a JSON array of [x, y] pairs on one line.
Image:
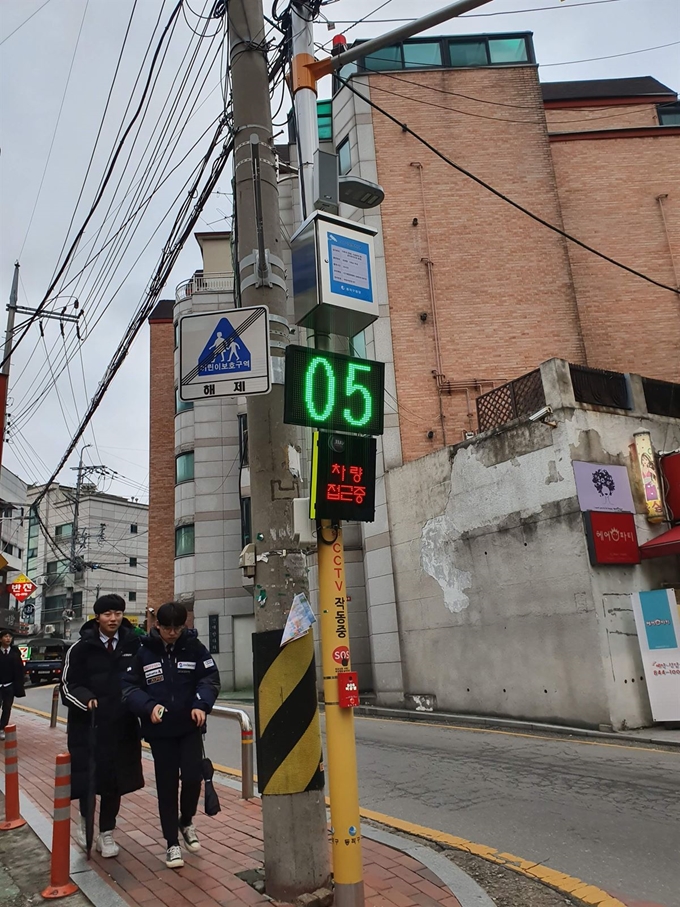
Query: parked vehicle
[[43, 658]]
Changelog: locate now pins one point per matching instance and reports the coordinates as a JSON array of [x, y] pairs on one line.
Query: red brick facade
[[161, 457], [479, 292]]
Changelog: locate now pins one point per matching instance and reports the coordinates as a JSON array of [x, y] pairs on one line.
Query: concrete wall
[[500, 611]]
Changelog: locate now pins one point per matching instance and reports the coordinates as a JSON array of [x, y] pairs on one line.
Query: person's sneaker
[[81, 834], [173, 857], [2, 735], [106, 846], [188, 832]]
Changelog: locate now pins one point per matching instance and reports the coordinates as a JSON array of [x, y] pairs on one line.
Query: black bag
[[212, 801]]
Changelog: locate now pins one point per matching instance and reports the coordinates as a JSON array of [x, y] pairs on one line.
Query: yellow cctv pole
[[340, 742]]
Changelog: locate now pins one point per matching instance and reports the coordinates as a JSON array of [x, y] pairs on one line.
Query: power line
[[628, 53], [56, 127], [405, 128], [35, 13]]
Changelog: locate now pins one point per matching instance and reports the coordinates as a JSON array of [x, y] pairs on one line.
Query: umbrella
[[212, 801], [91, 793]]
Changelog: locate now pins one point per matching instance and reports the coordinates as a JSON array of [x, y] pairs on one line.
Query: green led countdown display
[[334, 392]]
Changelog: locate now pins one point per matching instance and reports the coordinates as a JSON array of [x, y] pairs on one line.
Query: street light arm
[[329, 65]]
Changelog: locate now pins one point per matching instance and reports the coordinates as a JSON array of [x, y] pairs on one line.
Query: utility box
[[348, 689], [334, 275]]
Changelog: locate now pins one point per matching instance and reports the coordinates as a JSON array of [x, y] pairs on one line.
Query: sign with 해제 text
[[658, 628]]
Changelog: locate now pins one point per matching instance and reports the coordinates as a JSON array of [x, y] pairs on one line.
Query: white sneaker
[[2, 735], [188, 832], [173, 857], [81, 834], [106, 846]]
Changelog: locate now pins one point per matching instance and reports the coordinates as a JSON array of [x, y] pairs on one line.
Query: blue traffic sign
[[224, 353]]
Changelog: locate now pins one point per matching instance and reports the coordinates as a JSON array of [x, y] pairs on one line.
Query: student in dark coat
[[92, 678], [11, 678], [172, 685]]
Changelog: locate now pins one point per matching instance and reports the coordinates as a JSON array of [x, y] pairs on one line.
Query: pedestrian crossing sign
[[225, 352]]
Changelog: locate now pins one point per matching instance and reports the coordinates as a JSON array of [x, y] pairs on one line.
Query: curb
[[88, 880], [452, 718]]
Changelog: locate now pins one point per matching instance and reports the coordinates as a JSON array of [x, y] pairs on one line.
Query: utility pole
[[293, 806], [4, 372]]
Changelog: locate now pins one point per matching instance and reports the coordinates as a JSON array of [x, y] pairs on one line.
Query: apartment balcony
[[205, 283]]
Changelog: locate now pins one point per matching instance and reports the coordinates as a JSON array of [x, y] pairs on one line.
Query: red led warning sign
[[343, 477]]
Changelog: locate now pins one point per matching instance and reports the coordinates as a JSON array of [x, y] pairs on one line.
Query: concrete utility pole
[[4, 372], [293, 807]]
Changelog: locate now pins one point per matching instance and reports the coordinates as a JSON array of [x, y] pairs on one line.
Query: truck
[[43, 658]]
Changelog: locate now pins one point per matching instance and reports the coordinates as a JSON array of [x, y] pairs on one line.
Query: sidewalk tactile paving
[[230, 843]]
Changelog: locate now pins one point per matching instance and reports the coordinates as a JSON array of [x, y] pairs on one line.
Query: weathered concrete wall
[[500, 611]]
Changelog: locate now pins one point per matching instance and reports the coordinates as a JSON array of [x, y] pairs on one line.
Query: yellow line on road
[[484, 730], [560, 881]]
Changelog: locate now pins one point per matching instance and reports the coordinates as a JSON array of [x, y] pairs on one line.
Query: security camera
[[540, 414]]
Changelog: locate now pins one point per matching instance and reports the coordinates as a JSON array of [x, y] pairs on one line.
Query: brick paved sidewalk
[[231, 842]]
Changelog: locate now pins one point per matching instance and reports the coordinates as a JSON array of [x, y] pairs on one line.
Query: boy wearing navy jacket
[[171, 686]]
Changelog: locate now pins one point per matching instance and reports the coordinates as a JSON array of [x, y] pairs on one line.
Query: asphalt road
[[607, 813]]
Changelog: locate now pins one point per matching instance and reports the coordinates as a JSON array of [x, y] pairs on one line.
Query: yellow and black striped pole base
[[288, 732]]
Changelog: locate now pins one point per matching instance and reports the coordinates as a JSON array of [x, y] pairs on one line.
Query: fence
[[510, 401]]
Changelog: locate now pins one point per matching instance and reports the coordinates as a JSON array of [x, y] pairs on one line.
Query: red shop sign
[[612, 538]]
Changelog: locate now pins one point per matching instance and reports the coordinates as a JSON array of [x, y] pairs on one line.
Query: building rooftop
[[595, 89]]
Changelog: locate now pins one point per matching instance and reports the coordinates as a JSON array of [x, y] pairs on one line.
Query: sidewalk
[[231, 843]]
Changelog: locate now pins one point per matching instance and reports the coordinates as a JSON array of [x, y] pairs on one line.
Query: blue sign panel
[[225, 352], [656, 613], [350, 267]]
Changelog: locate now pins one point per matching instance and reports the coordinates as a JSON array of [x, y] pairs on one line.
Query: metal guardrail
[[209, 283], [243, 719]]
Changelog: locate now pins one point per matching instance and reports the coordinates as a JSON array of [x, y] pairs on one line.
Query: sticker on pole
[[341, 656], [224, 354]]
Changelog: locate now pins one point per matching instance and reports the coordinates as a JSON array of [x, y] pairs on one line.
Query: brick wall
[[608, 191], [502, 283], [161, 460], [620, 116]]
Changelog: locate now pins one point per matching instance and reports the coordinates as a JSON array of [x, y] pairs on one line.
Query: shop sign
[[612, 538], [649, 475], [658, 627], [603, 487]]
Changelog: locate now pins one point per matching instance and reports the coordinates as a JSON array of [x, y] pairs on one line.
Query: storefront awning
[[665, 544]]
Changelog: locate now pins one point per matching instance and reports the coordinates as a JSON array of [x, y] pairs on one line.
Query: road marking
[[484, 730], [560, 881]]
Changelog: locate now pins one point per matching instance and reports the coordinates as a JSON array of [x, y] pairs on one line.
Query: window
[[344, 157], [184, 541], [132, 596], [133, 528], [63, 531], [669, 114], [184, 467], [508, 50], [176, 327], [246, 524], [468, 53], [32, 552], [386, 58], [324, 118], [422, 53], [133, 561], [243, 439], [180, 405]]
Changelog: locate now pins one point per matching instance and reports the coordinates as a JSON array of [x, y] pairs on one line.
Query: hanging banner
[[603, 487], [650, 478], [658, 627]]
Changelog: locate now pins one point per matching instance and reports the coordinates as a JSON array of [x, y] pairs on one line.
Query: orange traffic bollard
[[12, 814], [60, 883]]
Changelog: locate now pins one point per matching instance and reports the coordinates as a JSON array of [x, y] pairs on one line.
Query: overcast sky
[[85, 37]]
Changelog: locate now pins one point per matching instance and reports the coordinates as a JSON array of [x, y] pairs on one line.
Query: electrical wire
[[24, 22], [405, 128], [56, 128], [628, 53]]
